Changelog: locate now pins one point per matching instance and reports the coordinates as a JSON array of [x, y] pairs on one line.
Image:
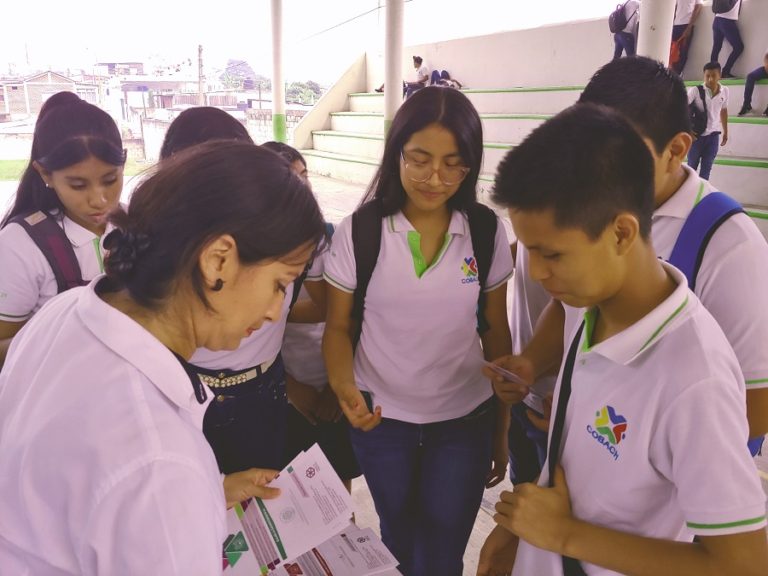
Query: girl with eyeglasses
[[71, 184], [425, 426]]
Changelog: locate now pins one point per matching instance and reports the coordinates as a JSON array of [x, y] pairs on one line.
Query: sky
[[320, 37]]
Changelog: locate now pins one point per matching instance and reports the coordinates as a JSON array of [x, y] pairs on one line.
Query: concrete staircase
[[351, 149]]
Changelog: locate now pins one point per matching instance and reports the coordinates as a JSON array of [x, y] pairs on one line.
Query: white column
[[655, 31], [393, 61], [278, 84]]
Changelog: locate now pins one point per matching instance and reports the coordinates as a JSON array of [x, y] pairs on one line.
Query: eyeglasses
[[422, 171]]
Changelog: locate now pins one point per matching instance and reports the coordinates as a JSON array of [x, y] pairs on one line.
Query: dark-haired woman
[[426, 433], [72, 182], [104, 468]]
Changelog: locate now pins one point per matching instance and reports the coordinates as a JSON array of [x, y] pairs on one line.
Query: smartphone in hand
[[506, 374]]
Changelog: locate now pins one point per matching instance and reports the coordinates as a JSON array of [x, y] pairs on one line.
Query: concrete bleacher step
[[348, 167], [547, 99]]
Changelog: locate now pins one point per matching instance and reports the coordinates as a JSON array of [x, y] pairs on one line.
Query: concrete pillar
[[278, 84], [655, 31], [393, 61]]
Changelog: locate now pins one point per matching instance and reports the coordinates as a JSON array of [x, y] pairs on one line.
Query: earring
[[218, 285]]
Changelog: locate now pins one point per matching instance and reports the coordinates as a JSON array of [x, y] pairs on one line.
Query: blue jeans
[[749, 85], [704, 149], [677, 31], [623, 42], [427, 481], [723, 28], [245, 423], [527, 446]]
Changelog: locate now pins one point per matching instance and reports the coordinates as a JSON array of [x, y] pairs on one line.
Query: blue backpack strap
[[366, 240], [51, 240], [755, 445], [703, 221], [482, 229]]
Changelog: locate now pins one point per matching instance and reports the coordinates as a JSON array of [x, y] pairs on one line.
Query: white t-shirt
[[714, 105], [422, 72], [640, 448], [529, 301], [632, 13], [261, 346], [731, 280], [27, 281], [684, 11], [419, 353], [302, 352], [104, 468], [732, 14]]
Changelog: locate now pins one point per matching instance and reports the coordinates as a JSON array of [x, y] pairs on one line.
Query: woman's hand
[[251, 483]]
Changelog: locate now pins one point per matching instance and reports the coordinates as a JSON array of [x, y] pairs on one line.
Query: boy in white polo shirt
[[730, 282], [704, 148], [649, 431]]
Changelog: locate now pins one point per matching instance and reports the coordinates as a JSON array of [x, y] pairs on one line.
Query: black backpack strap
[[366, 240], [51, 240], [571, 566], [698, 229], [703, 97], [299, 282], [482, 229]]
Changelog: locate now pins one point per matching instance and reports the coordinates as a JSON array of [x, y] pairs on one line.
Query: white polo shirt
[[302, 344], [731, 280], [104, 468], [684, 11], [422, 72], [714, 105], [655, 437], [732, 14], [261, 346], [27, 281], [419, 353]]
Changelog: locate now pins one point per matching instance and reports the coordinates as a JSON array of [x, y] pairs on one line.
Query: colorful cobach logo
[[234, 547], [611, 425], [469, 267]]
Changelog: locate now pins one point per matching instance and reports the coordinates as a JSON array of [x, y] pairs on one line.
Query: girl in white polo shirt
[[425, 440], [73, 180], [103, 465]]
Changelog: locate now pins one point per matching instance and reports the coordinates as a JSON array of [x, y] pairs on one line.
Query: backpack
[[299, 282], [51, 240], [698, 115], [366, 239], [723, 6], [691, 244], [618, 20]]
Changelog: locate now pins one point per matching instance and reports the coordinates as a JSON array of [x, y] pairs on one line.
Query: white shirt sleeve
[[693, 93], [340, 269], [160, 519], [25, 275], [502, 265], [703, 435], [732, 286]]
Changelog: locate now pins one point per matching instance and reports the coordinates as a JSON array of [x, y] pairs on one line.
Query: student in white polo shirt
[[73, 180], [733, 270], [704, 149], [104, 468], [248, 382], [686, 14], [424, 418], [648, 442]]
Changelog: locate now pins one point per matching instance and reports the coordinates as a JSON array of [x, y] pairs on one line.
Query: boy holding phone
[[636, 466]]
